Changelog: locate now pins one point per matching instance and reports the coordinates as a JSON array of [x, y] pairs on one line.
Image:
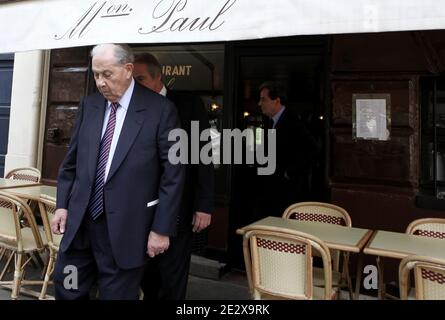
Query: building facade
[[385, 169]]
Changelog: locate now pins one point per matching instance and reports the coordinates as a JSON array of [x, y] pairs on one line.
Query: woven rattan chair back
[[323, 213], [429, 277], [318, 212], [20, 241], [26, 174], [427, 227], [279, 263], [11, 232]]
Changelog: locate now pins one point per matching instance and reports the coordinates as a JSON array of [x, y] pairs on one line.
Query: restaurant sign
[[46, 24]]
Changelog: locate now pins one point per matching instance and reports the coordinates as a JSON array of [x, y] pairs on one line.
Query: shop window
[[432, 178]]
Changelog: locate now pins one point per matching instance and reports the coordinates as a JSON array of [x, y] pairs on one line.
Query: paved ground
[[199, 289], [228, 288], [231, 286]]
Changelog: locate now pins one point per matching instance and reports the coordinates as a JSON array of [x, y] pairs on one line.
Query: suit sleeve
[[67, 170], [172, 177], [205, 182]]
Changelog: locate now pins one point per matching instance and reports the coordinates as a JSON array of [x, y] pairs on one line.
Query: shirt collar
[[277, 116], [163, 91], [124, 101]]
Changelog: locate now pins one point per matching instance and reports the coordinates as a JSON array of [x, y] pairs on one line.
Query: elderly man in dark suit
[[166, 276], [118, 196]]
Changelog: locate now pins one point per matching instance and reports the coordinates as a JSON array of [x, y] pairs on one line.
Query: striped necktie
[[96, 205]]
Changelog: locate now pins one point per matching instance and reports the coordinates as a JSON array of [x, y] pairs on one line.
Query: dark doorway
[[302, 70], [69, 81], [6, 68]]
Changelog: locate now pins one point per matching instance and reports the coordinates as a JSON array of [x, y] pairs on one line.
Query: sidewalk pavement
[[231, 286]]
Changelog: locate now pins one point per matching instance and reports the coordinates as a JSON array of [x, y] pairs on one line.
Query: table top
[[335, 236], [399, 245], [33, 192], [10, 183]]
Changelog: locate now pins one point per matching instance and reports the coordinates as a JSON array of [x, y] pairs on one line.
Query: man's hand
[[201, 220], [157, 244], [59, 221]]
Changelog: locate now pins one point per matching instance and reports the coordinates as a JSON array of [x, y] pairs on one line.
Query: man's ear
[[129, 67]]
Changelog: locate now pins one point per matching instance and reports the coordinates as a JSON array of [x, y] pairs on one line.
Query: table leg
[[358, 277], [380, 270]]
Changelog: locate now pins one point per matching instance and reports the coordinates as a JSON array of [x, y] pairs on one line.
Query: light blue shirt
[[121, 112], [277, 116]]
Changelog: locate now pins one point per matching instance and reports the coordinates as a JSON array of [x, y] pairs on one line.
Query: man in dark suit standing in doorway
[[295, 150], [118, 196], [167, 275]]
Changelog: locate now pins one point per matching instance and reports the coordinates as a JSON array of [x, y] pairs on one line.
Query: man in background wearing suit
[[167, 275], [117, 194], [295, 150]]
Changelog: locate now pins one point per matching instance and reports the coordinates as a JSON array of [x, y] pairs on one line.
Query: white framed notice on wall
[[371, 116]]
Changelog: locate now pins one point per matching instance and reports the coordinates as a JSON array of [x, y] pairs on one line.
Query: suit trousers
[[166, 275], [89, 261]]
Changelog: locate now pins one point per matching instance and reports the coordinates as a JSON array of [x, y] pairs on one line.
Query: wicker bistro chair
[[22, 242], [331, 214], [279, 264], [25, 174], [427, 227], [429, 277], [47, 206]]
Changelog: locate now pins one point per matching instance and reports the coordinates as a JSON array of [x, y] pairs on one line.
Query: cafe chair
[[429, 277], [47, 206], [279, 264], [427, 227], [25, 174], [21, 242], [325, 213]]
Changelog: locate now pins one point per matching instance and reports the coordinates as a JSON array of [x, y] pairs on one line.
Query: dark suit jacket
[[199, 178], [140, 173], [296, 149]]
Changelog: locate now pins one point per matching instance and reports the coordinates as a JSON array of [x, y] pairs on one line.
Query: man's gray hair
[[122, 52]]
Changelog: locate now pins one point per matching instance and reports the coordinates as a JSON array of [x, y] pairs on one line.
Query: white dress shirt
[[121, 112], [163, 91]]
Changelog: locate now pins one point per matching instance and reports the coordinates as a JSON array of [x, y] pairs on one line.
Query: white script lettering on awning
[[47, 24]]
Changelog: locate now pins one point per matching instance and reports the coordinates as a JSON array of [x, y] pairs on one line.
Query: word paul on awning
[[48, 24]]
